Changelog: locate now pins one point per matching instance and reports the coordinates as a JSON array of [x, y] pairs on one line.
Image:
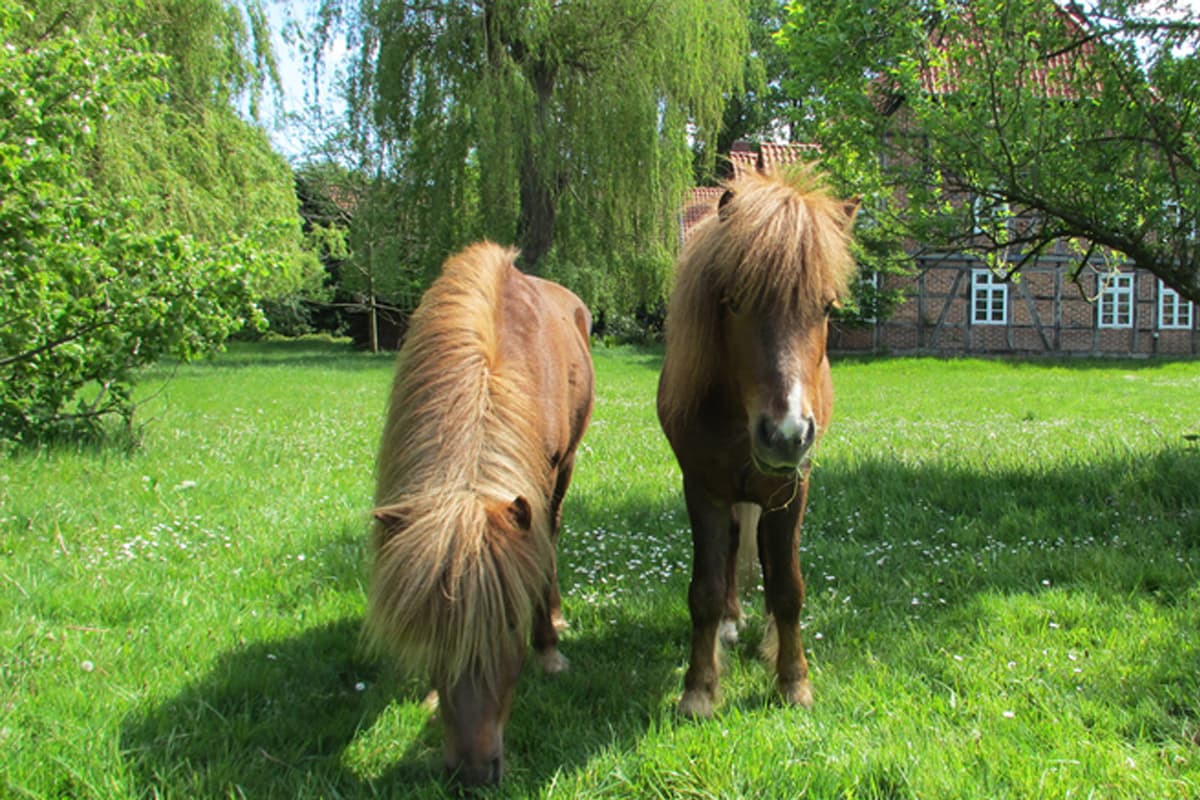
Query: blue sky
[[297, 81]]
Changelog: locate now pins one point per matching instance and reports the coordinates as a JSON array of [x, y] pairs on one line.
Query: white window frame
[[1174, 313], [1115, 303], [1175, 215], [986, 290], [985, 212], [870, 279]]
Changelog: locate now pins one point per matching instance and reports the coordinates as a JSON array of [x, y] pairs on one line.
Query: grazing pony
[[745, 392], [493, 391]]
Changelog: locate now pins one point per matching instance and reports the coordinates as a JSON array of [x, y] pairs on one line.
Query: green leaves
[[99, 308], [130, 229]]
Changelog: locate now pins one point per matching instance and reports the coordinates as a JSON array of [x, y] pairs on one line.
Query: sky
[[296, 79]]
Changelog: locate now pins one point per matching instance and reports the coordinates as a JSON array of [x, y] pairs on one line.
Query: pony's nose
[[782, 445], [482, 774]]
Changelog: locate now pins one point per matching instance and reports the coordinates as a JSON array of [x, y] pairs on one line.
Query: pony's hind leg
[[785, 599], [548, 620], [732, 617], [740, 569]]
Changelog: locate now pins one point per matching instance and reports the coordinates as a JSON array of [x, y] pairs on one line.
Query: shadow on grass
[[605, 701], [926, 551], [279, 719], [269, 715], [895, 550], [290, 718]]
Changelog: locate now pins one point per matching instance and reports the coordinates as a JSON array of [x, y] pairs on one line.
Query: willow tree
[[196, 160], [563, 127]]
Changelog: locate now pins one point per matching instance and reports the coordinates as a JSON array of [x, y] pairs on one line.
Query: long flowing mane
[[781, 243], [453, 571]]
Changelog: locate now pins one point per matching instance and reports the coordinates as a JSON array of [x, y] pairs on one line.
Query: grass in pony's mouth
[[1010, 615], [774, 471]]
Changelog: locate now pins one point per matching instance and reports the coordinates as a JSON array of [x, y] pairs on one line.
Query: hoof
[[728, 633], [553, 662], [696, 704], [798, 693]]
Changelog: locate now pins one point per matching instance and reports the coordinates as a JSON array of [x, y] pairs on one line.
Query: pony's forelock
[[469, 615]]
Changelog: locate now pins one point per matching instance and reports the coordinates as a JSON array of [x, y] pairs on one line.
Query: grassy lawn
[[1001, 559]]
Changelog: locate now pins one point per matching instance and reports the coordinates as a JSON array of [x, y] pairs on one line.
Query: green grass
[[1002, 597]]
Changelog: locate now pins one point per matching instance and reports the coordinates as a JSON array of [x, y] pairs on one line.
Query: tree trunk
[[535, 225], [372, 316], [539, 191], [373, 325]]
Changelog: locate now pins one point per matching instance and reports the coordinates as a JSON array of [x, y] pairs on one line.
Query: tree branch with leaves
[[1080, 120]]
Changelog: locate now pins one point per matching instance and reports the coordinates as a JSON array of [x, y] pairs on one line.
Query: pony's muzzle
[[473, 718], [483, 773], [780, 447]]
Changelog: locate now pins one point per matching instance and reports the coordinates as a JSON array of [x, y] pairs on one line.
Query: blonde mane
[[780, 245], [454, 573]]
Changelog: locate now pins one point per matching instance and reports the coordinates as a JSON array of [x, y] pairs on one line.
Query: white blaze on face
[[794, 424]]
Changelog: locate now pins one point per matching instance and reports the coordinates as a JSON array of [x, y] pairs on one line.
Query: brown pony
[[492, 394], [745, 393]]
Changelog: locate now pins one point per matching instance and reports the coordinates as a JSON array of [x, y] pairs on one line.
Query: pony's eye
[[731, 304]]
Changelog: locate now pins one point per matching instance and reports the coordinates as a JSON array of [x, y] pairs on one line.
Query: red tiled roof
[[743, 161], [744, 158], [1051, 76], [345, 199], [701, 202], [774, 156]]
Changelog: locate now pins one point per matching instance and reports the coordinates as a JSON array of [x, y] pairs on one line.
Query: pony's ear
[[521, 513], [850, 209], [723, 210], [389, 517]]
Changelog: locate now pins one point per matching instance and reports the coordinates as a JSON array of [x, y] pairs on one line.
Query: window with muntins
[[870, 282], [991, 217], [1174, 313], [1115, 309], [989, 298]]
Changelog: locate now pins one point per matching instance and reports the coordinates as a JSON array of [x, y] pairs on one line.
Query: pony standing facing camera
[[744, 395], [492, 394]]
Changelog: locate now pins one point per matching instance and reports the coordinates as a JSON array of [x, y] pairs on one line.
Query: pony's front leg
[[732, 617], [547, 622], [785, 598], [706, 599]]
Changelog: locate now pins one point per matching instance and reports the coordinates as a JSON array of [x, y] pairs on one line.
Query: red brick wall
[[1047, 314]]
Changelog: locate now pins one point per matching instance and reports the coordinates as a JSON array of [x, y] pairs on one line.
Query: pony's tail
[[455, 581]]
